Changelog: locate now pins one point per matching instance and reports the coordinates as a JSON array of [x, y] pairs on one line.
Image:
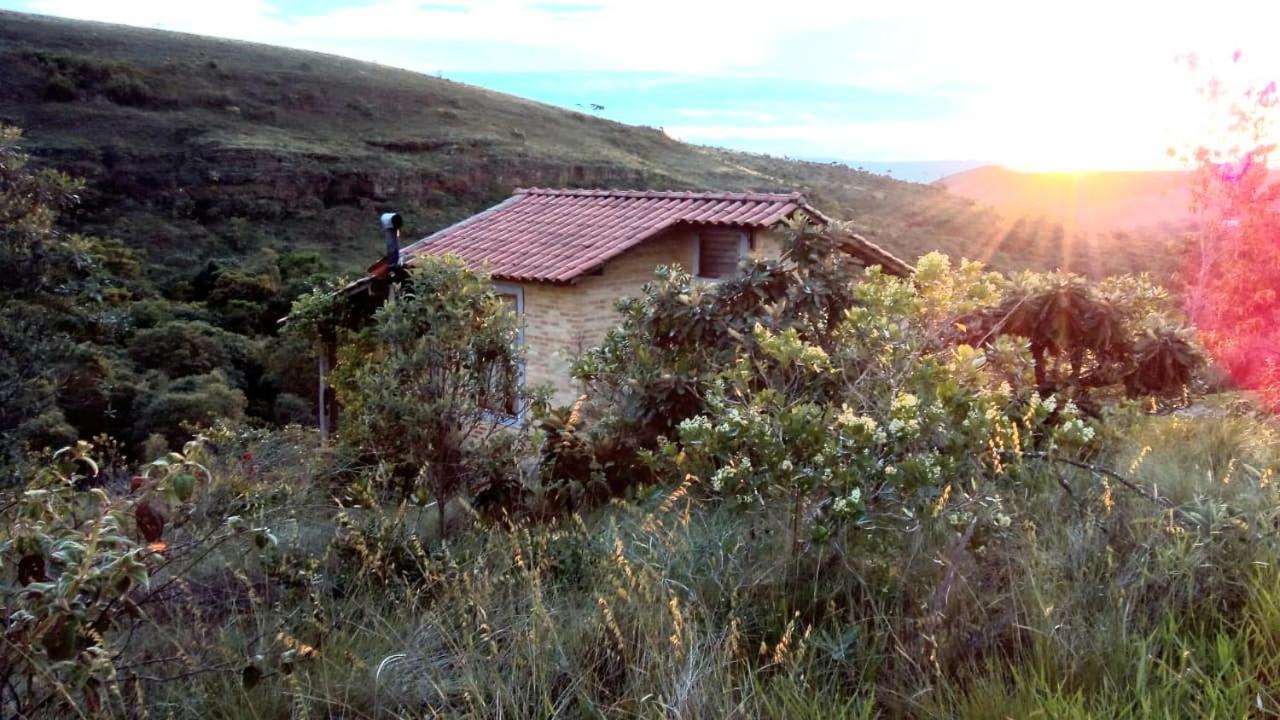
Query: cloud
[[566, 7], [752, 116], [443, 7]]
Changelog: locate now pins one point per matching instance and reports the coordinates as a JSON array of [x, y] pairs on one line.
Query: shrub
[[1084, 337], [180, 347], [60, 89], [845, 396], [425, 386], [290, 409], [174, 407]]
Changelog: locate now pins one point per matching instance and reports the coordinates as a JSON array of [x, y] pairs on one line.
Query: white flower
[[695, 423], [724, 473], [904, 401], [847, 504], [890, 470], [848, 418], [1076, 430]]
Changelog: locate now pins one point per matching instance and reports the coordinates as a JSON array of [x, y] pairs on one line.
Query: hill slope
[[1091, 202], [196, 147]]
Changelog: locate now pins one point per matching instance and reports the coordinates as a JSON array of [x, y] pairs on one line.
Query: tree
[[56, 290], [1233, 270], [427, 385], [29, 205], [1084, 336], [837, 391]]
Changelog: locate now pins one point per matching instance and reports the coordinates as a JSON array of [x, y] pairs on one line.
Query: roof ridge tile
[[754, 196]]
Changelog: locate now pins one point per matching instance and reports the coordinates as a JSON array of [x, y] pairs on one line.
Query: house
[[564, 257]]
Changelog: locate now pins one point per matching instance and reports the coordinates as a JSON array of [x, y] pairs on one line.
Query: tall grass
[[1099, 602]]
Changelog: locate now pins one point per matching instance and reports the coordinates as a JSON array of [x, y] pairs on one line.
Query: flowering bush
[[857, 399]]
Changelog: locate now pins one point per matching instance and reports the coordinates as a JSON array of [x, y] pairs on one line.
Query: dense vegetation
[[91, 346], [803, 492], [799, 493], [1231, 270]]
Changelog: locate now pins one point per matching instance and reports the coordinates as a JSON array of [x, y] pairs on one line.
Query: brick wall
[[562, 320], [767, 243]]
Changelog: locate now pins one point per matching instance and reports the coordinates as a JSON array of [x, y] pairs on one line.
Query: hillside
[[1090, 202], [196, 147]]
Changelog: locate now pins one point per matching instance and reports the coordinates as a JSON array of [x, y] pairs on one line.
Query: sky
[[1047, 86]]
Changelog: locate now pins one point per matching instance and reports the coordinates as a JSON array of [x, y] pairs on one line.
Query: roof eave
[[872, 254]]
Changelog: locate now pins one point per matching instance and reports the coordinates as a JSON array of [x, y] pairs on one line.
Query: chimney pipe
[[391, 224]]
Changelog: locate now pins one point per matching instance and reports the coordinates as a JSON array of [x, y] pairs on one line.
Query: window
[[719, 252], [505, 380]]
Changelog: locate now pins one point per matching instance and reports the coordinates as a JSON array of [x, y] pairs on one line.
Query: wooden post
[[322, 409]]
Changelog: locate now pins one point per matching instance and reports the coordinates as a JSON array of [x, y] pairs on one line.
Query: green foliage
[[173, 408], [80, 556], [654, 367], [844, 395], [69, 75], [90, 346], [61, 296], [1086, 336], [29, 204], [427, 384], [75, 562], [321, 312], [272, 600]]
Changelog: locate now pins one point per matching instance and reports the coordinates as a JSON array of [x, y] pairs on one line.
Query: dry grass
[[1098, 604]]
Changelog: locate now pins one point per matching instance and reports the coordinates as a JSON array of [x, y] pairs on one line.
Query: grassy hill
[[196, 147], [1091, 202]]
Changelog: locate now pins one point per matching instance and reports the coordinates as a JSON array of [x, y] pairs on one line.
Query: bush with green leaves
[[427, 385], [83, 561], [1120, 334], [173, 408], [849, 397], [98, 572], [84, 319]]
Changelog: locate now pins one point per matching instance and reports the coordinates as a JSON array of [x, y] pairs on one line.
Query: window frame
[[745, 242], [516, 291]]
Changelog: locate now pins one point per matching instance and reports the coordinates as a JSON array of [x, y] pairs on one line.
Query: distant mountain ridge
[[1086, 202], [917, 171]]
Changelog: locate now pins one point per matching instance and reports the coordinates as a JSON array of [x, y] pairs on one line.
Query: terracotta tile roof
[[872, 254], [557, 235]]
